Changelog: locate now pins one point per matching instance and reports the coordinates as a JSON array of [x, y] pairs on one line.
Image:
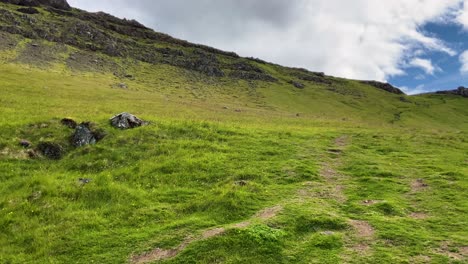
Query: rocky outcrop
[[126, 121], [461, 91], [59, 4], [384, 86]]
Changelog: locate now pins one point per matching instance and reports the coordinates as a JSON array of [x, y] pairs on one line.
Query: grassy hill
[[243, 161]]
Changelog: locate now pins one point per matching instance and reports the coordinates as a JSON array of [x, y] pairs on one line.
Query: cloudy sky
[[419, 45]]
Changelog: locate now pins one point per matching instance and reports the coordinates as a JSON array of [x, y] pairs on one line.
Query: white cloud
[[425, 65], [361, 39], [464, 62], [417, 90], [462, 17]]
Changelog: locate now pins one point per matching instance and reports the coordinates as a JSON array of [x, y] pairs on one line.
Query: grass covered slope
[[234, 168]]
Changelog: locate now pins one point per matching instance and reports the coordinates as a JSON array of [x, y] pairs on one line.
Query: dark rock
[[317, 77], [461, 91], [244, 66], [252, 76], [297, 84], [82, 136], [51, 150], [201, 62], [126, 121], [28, 10], [86, 134], [25, 143], [68, 122], [257, 60], [58, 4], [384, 86], [241, 183], [84, 181]]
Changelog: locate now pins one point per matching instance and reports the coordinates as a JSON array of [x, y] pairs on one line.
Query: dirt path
[[330, 189], [158, 254]]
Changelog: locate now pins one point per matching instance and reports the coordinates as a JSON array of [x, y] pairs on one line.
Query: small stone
[[297, 84], [25, 143], [241, 183], [84, 181]]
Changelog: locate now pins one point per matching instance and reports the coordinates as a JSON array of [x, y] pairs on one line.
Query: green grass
[[156, 185]]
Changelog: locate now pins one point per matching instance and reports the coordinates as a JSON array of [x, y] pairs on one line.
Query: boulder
[[126, 121], [51, 150], [82, 136], [86, 134]]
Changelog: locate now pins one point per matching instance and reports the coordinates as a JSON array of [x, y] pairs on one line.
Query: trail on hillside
[[330, 190], [159, 254]]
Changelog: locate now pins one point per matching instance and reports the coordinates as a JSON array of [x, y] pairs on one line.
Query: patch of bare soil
[[213, 232], [328, 172], [160, 254], [341, 141], [419, 215], [418, 185], [363, 228], [456, 253], [241, 225], [421, 259], [361, 248], [269, 213]]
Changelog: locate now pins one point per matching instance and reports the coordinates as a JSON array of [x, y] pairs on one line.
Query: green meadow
[[228, 170]]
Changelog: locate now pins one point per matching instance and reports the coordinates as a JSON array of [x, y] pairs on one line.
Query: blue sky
[[417, 45], [447, 75]]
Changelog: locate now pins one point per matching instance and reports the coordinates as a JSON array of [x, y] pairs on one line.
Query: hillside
[[243, 161]]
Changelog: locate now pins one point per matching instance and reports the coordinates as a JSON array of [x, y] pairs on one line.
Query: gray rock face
[[59, 4], [462, 91], [384, 86], [83, 136], [126, 121]]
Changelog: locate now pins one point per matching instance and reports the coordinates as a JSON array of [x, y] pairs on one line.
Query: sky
[[417, 45]]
